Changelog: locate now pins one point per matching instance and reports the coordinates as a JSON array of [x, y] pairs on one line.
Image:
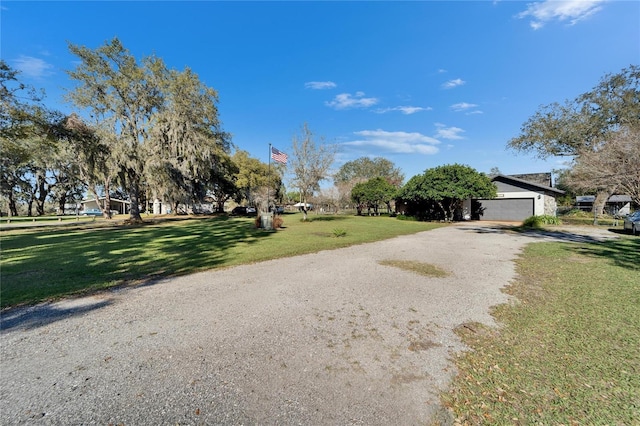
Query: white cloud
[[396, 142], [453, 83], [445, 132], [346, 101], [320, 85], [462, 106], [33, 67], [407, 110], [550, 10]]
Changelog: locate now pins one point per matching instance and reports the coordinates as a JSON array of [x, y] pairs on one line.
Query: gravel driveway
[[326, 338]]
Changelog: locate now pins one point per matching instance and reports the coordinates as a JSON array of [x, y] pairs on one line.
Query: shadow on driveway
[[570, 235], [37, 316]]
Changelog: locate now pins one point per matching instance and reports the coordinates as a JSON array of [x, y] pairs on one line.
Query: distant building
[[119, 206], [616, 204]]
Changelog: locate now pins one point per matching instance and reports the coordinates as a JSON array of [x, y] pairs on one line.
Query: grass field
[[568, 351], [49, 262]]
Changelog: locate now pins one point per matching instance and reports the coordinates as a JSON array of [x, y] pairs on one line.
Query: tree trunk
[[600, 202], [61, 203], [107, 203], [42, 192], [220, 205], [13, 208], [444, 211], [134, 190], [32, 197]]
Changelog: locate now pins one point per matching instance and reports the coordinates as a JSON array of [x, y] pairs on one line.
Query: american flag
[[278, 157]]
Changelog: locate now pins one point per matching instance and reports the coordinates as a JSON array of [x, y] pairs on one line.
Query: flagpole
[[269, 179]]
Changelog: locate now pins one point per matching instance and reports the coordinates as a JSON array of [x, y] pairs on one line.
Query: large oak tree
[[615, 164], [33, 165], [584, 125], [163, 124]]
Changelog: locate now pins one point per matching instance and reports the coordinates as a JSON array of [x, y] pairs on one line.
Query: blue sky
[[420, 83]]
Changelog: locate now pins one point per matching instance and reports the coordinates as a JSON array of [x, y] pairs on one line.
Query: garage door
[[511, 209]]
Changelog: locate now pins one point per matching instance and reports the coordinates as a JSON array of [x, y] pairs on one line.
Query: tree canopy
[[584, 123], [447, 187], [365, 168]]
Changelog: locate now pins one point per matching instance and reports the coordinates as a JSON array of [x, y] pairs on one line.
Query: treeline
[[146, 132]]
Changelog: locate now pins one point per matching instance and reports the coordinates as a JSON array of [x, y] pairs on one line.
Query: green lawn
[[43, 263], [568, 352]]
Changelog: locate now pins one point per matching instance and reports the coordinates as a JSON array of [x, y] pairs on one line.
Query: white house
[[120, 206]]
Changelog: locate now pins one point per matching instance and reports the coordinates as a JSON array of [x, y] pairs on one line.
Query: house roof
[[539, 178], [525, 183], [619, 199]]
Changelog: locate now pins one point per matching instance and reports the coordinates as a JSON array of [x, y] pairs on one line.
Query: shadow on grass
[[326, 218], [622, 252], [46, 265]]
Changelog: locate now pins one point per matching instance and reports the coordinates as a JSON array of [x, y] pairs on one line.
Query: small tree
[[363, 169], [447, 187], [310, 164], [253, 179], [222, 186], [372, 193]]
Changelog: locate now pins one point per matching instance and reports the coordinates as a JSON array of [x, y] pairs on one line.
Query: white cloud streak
[[453, 83], [348, 101], [462, 106], [451, 133], [320, 85], [396, 142], [33, 67], [406, 110], [552, 10]]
